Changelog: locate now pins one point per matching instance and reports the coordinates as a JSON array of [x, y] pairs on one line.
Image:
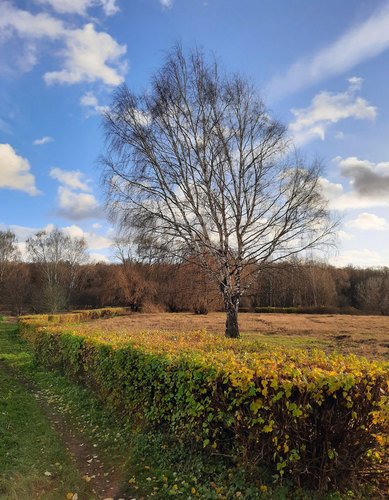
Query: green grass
[[298, 342], [152, 464], [33, 461]]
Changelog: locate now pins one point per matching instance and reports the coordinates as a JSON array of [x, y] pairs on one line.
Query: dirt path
[[103, 481]]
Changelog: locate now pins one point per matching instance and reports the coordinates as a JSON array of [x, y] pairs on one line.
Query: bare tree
[[8, 252], [373, 293], [137, 279], [19, 289], [197, 164], [58, 256]]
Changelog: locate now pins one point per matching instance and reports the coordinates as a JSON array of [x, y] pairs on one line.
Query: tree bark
[[232, 326]]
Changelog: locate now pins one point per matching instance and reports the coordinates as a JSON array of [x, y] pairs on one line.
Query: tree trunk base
[[232, 326]]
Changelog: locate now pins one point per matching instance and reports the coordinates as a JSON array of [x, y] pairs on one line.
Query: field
[[361, 335]]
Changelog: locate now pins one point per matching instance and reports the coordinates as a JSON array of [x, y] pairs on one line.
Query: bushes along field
[[315, 418]]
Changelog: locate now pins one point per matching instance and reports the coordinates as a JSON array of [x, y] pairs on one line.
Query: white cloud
[[96, 225], [94, 241], [366, 221], [110, 7], [340, 199], [43, 140], [73, 204], [15, 171], [166, 4], [96, 258], [89, 100], [87, 58], [88, 55], [368, 179], [81, 6], [362, 258], [27, 58], [77, 206], [339, 135], [355, 82], [22, 233], [97, 241], [359, 43], [91, 104], [344, 236], [331, 190], [327, 108], [367, 184], [27, 25], [70, 178]]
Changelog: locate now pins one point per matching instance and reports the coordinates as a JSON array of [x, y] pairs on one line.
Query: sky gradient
[[322, 69]]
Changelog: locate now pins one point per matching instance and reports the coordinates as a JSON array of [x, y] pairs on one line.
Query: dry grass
[[362, 335]]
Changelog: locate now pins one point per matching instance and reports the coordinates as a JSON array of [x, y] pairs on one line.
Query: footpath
[[43, 454]]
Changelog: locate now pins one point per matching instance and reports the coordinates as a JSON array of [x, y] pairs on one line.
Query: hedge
[[309, 310], [76, 316], [315, 418]]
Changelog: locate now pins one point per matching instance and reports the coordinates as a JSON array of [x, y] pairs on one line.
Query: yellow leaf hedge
[[74, 316], [314, 417]]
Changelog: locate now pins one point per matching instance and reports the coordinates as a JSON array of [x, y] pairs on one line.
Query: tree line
[[57, 277]]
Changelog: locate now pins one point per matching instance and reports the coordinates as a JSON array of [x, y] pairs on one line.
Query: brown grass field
[[361, 335]]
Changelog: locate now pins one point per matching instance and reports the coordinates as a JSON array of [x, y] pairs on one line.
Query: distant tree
[[18, 289], [135, 269], [58, 257], [373, 293], [197, 165], [9, 252]]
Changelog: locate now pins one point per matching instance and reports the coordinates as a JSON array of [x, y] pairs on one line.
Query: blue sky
[[322, 68]]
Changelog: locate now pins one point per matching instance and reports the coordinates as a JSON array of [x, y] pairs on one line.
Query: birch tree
[[197, 165], [58, 257]]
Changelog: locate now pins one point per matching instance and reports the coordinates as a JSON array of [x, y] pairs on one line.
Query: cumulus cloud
[[94, 241], [340, 199], [43, 140], [75, 200], [87, 58], [27, 25], [70, 178], [366, 221], [88, 55], [359, 43], [90, 103], [367, 184], [367, 179], [326, 109], [15, 171], [77, 206], [81, 7]]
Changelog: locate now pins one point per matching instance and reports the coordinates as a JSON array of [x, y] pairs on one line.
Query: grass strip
[[33, 461]]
